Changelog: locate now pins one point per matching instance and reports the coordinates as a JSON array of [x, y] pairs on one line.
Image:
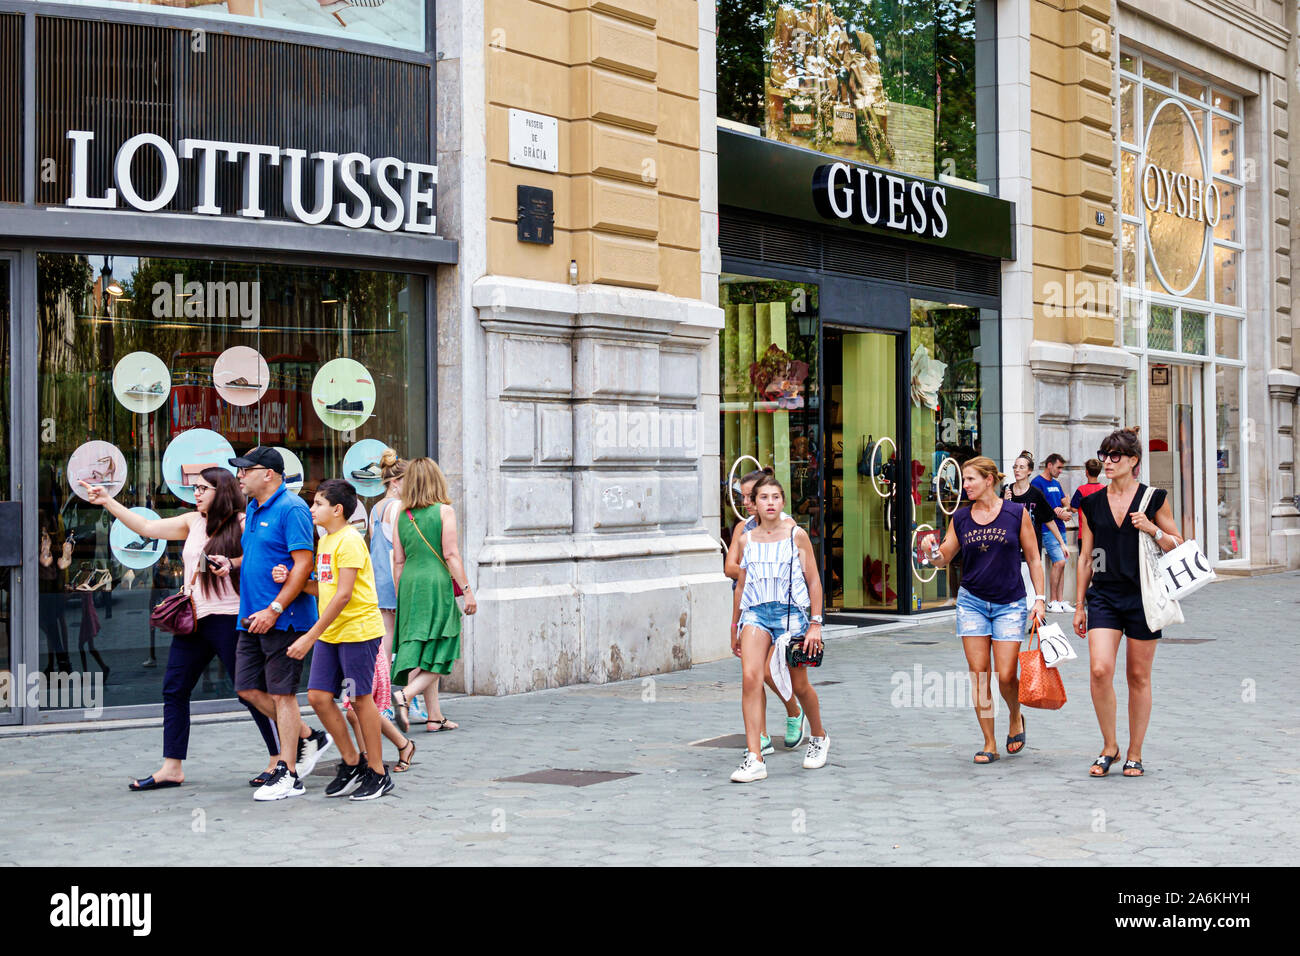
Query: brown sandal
[[441, 725], [404, 763]]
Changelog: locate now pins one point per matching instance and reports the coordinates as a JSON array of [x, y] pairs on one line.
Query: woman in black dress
[[1111, 608]]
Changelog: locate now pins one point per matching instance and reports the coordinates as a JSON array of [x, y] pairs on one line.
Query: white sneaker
[[310, 750], [281, 786], [750, 769], [1066, 607], [818, 749], [1054, 607]]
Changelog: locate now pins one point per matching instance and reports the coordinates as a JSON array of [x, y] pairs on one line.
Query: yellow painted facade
[[622, 78]]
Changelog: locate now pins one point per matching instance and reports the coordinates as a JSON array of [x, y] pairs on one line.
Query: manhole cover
[[919, 642], [567, 778], [1187, 640], [729, 740]]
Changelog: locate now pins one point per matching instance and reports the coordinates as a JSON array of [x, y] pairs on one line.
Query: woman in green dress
[[425, 562]]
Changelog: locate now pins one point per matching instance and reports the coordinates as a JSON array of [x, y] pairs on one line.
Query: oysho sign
[[875, 197], [351, 189], [1180, 200]]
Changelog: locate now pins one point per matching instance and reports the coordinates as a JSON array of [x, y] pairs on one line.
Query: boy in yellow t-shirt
[[349, 631]]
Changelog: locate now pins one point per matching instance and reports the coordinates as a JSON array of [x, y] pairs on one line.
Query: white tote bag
[[1161, 610], [1184, 570], [1054, 645]]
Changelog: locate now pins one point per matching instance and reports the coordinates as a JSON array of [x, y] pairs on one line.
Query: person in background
[[1054, 544], [426, 561], [1023, 492], [794, 717], [1093, 469], [215, 525]]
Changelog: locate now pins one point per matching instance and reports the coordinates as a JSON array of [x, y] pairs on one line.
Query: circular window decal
[[141, 382], [240, 375], [131, 550], [361, 467], [189, 454], [1180, 202], [343, 394], [97, 463], [294, 474]]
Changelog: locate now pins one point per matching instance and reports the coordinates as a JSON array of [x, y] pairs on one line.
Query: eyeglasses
[[203, 489], [1113, 457], [244, 471]]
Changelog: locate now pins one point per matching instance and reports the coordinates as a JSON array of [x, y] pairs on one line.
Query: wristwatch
[[1041, 597], [1159, 534], [277, 607], [815, 619]]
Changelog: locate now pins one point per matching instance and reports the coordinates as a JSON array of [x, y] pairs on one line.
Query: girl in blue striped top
[[778, 583]]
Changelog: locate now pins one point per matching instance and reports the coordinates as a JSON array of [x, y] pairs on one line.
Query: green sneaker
[[765, 745], [794, 730]]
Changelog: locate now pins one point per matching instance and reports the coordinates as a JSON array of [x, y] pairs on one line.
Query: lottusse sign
[[876, 197], [351, 189]]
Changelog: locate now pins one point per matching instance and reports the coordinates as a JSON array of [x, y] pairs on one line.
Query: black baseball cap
[[263, 456]]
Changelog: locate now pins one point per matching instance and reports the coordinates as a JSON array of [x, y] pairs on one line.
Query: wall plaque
[[536, 221]]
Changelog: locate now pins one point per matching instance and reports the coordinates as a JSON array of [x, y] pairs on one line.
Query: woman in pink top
[[213, 527]]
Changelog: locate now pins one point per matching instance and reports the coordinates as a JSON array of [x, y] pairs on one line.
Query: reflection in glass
[[1158, 74], [1127, 168], [1226, 268], [187, 312], [1227, 429], [1126, 118], [1129, 239], [1227, 336], [771, 396], [1223, 147], [1175, 243], [1224, 102], [1191, 88], [904, 84], [1193, 332], [1127, 61], [957, 419], [1132, 321], [1160, 327], [1229, 225], [1173, 455]]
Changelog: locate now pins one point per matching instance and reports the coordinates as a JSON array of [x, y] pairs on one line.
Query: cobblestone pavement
[[1222, 784]]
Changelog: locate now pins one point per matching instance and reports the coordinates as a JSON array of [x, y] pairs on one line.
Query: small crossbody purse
[[455, 587], [794, 653]]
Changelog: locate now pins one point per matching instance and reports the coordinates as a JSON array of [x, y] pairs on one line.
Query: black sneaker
[[374, 785], [346, 780], [343, 405]]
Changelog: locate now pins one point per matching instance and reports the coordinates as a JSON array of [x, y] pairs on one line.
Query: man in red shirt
[[1093, 467]]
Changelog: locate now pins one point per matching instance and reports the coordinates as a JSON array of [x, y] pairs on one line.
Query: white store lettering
[[351, 189], [1180, 194], [875, 197]]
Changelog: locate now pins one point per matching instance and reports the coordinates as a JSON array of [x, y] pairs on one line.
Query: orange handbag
[[1040, 685]]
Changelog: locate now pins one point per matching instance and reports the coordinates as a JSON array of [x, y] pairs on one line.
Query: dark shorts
[[1120, 611], [353, 662], [262, 664]]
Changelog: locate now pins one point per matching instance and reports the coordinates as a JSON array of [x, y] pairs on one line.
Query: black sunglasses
[[1112, 456]]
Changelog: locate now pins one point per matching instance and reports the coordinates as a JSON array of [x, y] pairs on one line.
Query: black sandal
[[1103, 761], [990, 754], [404, 763], [1133, 765], [1018, 738], [401, 716]]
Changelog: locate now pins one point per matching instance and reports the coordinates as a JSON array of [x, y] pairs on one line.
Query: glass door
[[862, 559], [1173, 412]]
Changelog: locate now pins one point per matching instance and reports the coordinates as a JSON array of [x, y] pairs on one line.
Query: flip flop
[[989, 754], [1018, 738], [1133, 765], [149, 783]]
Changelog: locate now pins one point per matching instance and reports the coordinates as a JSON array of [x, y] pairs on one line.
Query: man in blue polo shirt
[[278, 529], [1050, 486]]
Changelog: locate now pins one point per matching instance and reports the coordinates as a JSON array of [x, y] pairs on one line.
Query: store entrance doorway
[[1175, 443]]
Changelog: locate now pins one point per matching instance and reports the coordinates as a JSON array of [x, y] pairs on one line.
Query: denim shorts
[[976, 618], [771, 618], [1055, 553]]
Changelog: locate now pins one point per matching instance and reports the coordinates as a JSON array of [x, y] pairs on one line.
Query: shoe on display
[[370, 472], [346, 779], [343, 405], [140, 544], [750, 769], [292, 479], [310, 750], [818, 749], [240, 382], [374, 785], [281, 786]]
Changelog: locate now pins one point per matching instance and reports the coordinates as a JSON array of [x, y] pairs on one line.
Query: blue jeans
[[978, 618], [771, 618], [1052, 548]]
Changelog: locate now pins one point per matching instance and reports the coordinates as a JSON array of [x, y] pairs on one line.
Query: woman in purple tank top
[[993, 536]]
